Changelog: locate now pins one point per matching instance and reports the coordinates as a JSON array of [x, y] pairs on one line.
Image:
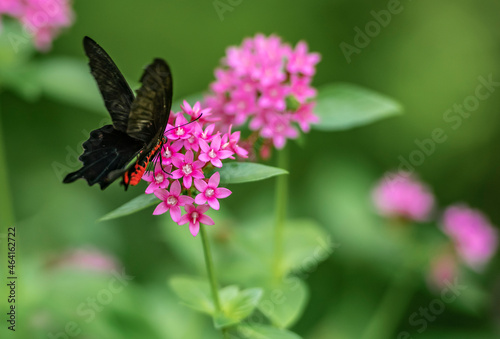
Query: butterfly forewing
[[115, 91], [151, 108]]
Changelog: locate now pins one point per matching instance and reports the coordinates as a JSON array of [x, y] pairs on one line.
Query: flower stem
[[281, 200], [7, 215], [392, 306], [210, 268]]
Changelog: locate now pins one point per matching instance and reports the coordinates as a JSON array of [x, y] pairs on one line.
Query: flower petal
[[214, 203], [175, 213], [200, 185], [175, 188], [206, 220], [221, 192], [214, 180], [194, 228], [161, 194], [200, 199], [161, 208]]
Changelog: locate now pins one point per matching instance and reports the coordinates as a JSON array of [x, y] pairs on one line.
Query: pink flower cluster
[[193, 148], [476, 240], [42, 18], [400, 195], [268, 83]]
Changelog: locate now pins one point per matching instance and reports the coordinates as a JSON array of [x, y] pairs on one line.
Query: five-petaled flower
[[187, 169], [213, 153], [172, 201], [195, 216], [210, 191], [157, 178]]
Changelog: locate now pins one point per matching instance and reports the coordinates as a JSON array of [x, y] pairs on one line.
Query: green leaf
[[239, 172], [236, 305], [257, 331], [283, 303], [135, 205], [194, 293], [342, 106], [69, 81], [191, 99]]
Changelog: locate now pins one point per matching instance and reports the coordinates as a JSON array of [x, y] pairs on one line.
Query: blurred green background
[[429, 58]]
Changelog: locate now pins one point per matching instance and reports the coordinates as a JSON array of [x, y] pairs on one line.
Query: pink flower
[[274, 97], [13, 8], [157, 178], [170, 151], [88, 259], [301, 88], [187, 169], [253, 83], [399, 195], [304, 116], [443, 270], [210, 191], [213, 153], [195, 216], [230, 141], [476, 240], [195, 112], [45, 18], [279, 128], [181, 130], [172, 201], [301, 61]]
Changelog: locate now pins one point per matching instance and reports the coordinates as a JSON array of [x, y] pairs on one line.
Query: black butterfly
[[138, 123]]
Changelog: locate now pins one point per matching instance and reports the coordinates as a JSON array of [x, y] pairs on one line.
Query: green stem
[[281, 200], [7, 214], [394, 302], [210, 268]]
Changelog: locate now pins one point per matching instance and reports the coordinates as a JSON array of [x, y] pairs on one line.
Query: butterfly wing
[[117, 95], [151, 108], [106, 153]]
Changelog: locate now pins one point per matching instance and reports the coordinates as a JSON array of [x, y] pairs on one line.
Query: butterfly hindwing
[[106, 153], [117, 95], [151, 108]]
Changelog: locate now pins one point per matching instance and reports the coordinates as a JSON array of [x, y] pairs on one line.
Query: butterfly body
[[139, 122]]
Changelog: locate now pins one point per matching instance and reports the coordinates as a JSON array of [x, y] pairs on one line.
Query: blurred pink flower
[[88, 259], [400, 195], [443, 270], [256, 80], [42, 18], [476, 240]]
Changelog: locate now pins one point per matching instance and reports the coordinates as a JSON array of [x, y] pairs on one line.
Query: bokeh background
[[428, 58]]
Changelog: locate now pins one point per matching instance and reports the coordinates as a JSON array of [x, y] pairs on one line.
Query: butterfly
[[136, 135]]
